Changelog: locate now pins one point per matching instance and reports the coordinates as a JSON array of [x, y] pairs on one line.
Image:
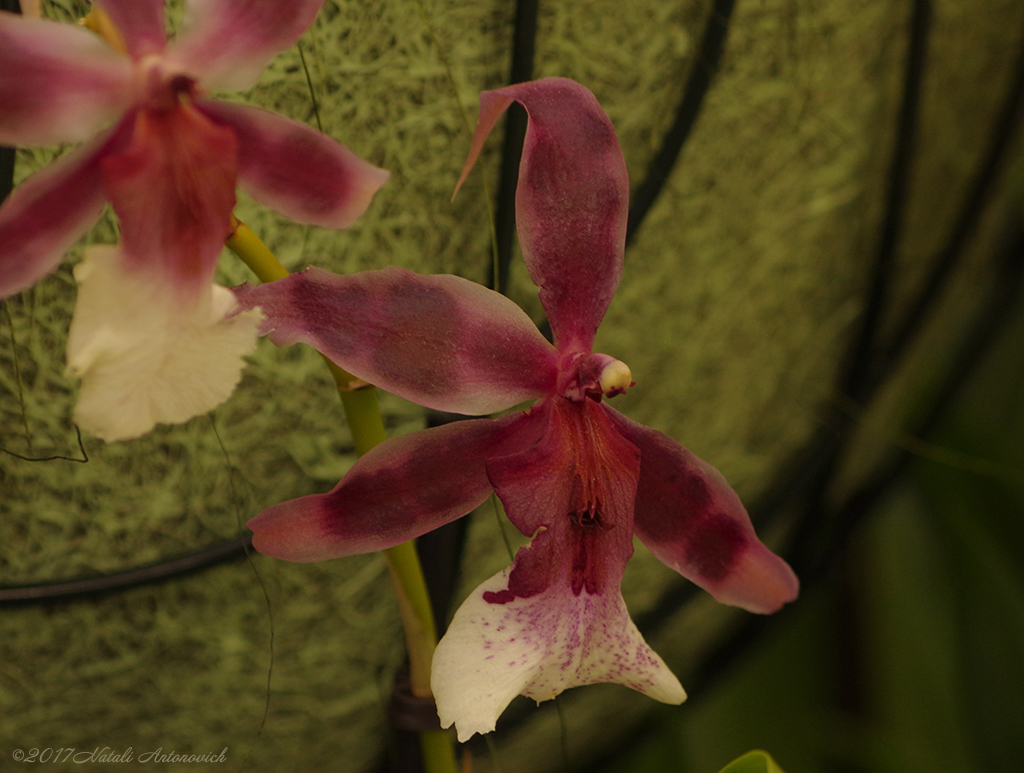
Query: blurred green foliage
[[752, 762]]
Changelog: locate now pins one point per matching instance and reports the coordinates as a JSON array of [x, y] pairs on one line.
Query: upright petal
[[173, 189], [144, 357], [47, 213], [301, 173], [59, 83], [571, 202], [141, 23], [227, 43], [401, 489], [692, 520], [538, 647], [441, 341]]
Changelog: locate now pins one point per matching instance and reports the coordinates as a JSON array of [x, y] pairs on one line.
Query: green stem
[[362, 412]]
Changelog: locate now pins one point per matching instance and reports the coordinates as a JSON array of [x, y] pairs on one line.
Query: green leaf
[[753, 762]]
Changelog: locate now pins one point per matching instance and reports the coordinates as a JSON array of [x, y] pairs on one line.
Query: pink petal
[[693, 521], [47, 213], [401, 489], [571, 201], [140, 22], [538, 647], [301, 173], [441, 341], [576, 487], [58, 82], [173, 189], [227, 43]]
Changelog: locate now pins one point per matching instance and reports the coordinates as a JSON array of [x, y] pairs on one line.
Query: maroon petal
[[58, 83], [301, 173], [574, 490], [693, 521], [141, 23], [440, 341], [227, 43], [47, 213], [571, 202], [401, 489], [173, 189]]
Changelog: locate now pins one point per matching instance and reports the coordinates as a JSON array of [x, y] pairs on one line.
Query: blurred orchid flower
[[150, 320], [575, 475]]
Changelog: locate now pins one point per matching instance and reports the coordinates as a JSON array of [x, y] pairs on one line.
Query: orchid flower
[[575, 475], [150, 337]]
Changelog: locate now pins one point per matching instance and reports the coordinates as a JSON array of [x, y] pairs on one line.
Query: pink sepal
[[58, 83], [141, 23], [299, 172], [47, 213], [441, 341], [692, 520], [571, 201], [227, 43], [401, 489]]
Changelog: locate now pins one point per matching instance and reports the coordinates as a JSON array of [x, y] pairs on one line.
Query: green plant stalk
[[359, 401]]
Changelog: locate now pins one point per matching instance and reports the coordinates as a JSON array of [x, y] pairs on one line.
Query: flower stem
[[359, 401]]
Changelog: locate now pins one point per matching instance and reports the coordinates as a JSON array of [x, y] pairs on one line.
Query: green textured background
[[737, 303]]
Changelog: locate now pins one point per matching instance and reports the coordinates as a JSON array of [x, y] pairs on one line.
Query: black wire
[[65, 590], [524, 45], [859, 371], [705, 66], [979, 192]]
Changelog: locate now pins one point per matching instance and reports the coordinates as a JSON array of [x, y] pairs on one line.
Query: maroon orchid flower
[[150, 337], [575, 475]]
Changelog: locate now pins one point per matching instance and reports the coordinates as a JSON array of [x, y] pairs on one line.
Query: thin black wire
[[978, 194], [859, 373], [524, 46], [66, 590], [709, 54]]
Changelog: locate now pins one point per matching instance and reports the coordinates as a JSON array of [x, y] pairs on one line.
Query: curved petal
[[399, 490], [173, 189], [143, 357], [47, 213], [440, 341], [538, 647], [692, 520], [59, 83], [571, 201], [141, 23], [227, 43], [301, 173]]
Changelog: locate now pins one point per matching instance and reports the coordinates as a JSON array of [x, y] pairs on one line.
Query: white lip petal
[[538, 647], [144, 354]]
